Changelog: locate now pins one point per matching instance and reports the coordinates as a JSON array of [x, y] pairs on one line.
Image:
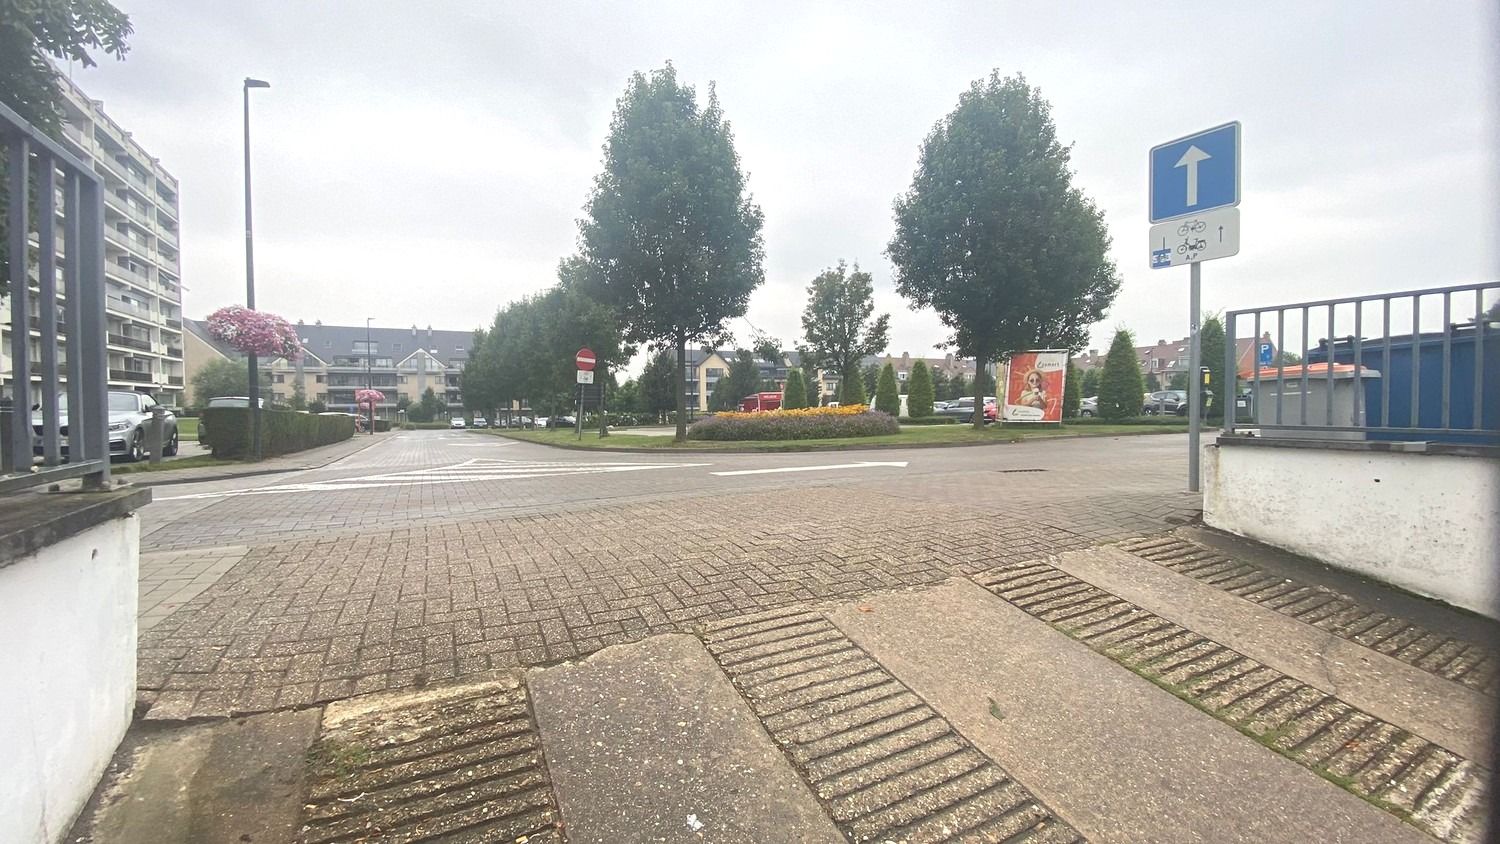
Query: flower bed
[[808, 423]]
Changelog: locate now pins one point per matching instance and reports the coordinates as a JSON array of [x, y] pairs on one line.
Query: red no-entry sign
[[585, 359]]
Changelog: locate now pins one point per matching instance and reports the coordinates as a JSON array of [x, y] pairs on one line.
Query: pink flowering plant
[[255, 332], [368, 398]]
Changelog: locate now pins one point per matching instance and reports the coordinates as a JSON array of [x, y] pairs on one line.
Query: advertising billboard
[[1034, 387]]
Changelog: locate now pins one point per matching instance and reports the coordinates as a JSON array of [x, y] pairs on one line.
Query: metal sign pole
[[1195, 380], [578, 422]]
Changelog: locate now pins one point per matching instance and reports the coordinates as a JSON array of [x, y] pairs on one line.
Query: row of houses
[[706, 366], [337, 360], [1165, 359]]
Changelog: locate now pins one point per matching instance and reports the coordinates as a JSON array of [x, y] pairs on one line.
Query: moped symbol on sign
[[1195, 174]]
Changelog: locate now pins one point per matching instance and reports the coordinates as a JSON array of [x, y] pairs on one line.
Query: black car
[[1164, 402]]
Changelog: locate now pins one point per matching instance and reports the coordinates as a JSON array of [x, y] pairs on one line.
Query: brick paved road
[[434, 555]]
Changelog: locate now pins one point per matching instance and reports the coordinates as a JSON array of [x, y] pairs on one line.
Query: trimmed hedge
[[793, 425], [929, 420], [1132, 420], [227, 431]]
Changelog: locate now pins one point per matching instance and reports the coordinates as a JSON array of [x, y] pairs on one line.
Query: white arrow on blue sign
[[1194, 174]]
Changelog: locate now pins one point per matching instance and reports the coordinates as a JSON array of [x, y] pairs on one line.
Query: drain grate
[[456, 767], [886, 766], [1017, 471]]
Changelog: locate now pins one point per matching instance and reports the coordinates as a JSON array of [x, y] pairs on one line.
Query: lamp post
[[369, 378], [254, 365]]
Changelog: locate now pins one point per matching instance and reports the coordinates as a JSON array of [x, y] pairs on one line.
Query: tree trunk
[[680, 380], [600, 377], [981, 385]]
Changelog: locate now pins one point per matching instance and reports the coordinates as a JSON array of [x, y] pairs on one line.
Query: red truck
[[760, 401]]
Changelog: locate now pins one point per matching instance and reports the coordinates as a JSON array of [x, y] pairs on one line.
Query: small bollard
[[154, 433]]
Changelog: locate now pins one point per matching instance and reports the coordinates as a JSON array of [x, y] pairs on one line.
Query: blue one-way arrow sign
[[1196, 173]]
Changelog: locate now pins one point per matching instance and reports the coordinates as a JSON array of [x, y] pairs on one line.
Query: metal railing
[[33, 423], [1416, 365]]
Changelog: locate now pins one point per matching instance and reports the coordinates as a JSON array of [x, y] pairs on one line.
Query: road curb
[[820, 448], [147, 481]]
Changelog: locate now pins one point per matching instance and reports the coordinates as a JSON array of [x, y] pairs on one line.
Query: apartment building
[[142, 266]]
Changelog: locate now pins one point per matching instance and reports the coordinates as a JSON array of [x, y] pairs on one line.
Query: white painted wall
[[67, 675], [1429, 523]]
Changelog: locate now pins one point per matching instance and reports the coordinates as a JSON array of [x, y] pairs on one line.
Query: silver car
[[129, 414]]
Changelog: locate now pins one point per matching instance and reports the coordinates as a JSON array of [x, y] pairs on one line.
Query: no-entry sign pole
[[585, 361], [1195, 186]]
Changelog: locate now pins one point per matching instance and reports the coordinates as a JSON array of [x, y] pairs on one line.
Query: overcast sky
[[425, 163]]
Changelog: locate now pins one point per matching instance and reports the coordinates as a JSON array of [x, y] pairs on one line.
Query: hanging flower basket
[[368, 398], [255, 332]]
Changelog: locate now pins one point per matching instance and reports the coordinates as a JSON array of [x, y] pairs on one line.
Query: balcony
[[128, 275], [115, 202], [174, 352], [174, 324], [129, 342], [36, 325], [168, 236], [130, 375], [125, 241], [120, 306], [175, 380]]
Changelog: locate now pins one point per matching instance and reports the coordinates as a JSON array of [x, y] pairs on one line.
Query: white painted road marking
[[478, 469], [901, 464]]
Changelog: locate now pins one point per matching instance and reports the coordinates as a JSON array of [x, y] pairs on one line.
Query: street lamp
[[254, 365], [369, 379]]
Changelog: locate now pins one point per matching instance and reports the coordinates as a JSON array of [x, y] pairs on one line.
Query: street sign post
[[585, 376], [1195, 184]]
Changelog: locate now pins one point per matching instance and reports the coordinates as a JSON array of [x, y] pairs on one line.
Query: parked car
[[457, 423], [1163, 402], [129, 415], [480, 422], [963, 409], [1089, 406], [560, 421]]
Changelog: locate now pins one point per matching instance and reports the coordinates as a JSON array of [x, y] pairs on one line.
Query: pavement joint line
[[884, 764], [1410, 789], [1165, 551]]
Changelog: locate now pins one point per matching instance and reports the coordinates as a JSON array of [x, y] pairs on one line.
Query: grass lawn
[[195, 462], [187, 427], [928, 435]]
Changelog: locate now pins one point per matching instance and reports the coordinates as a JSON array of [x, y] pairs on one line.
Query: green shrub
[[1146, 421], [919, 392], [1120, 387], [424, 426], [887, 394], [226, 431], [852, 387], [794, 394], [927, 420], [794, 425], [1072, 391], [382, 425]]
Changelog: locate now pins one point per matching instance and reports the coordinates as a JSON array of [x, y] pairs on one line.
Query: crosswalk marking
[[477, 469]]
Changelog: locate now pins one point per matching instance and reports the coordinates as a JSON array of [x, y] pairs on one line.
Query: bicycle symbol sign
[[1204, 237]]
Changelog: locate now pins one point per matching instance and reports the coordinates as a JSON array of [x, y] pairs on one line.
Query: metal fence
[[1417, 365], [67, 433]]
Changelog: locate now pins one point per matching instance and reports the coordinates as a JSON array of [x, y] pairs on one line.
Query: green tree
[[31, 31], [627, 398], [742, 380], [671, 237], [1178, 381], [1211, 343], [869, 378], [958, 387], [1091, 382], [403, 402], [299, 395], [919, 393], [1121, 386], [812, 383], [839, 325], [794, 394], [220, 377], [317, 406], [994, 236], [661, 382], [887, 395], [940, 385], [1072, 392]]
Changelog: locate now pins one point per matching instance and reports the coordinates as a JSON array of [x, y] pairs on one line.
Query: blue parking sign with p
[[1267, 351], [1196, 173]]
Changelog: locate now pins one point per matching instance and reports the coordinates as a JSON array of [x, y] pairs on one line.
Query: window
[[280, 378], [366, 347], [395, 347], [901, 376], [714, 372], [320, 379]]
